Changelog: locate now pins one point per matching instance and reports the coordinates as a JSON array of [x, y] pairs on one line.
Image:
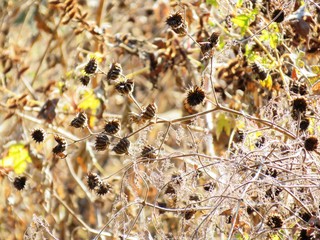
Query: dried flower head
[[122, 146], [91, 66], [275, 220], [103, 188], [38, 135], [188, 214], [19, 182], [170, 189], [80, 120], [112, 127], [125, 87], [259, 70], [61, 146], [149, 112], [195, 96], [300, 105], [278, 15], [102, 142], [176, 22], [93, 180], [209, 186], [114, 72], [148, 151], [85, 79], [311, 143], [304, 124], [213, 39]]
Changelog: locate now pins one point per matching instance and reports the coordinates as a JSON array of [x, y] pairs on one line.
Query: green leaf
[[243, 20], [224, 123], [212, 2], [17, 158], [239, 3]]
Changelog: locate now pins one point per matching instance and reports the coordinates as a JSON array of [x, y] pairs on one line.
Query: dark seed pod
[[209, 186], [278, 15], [114, 72], [194, 197], [195, 96], [103, 188], [112, 127], [176, 22], [122, 146], [176, 178], [60, 140], [38, 135], [275, 221], [93, 180], [85, 80], [259, 70], [149, 112], [188, 214], [125, 87], [272, 172], [80, 120], [91, 66], [213, 39], [205, 46], [102, 142], [311, 143], [260, 142], [163, 205], [304, 124], [19, 182], [300, 105], [148, 152], [170, 189], [61, 146]]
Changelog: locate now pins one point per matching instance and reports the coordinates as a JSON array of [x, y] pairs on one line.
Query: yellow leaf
[[225, 124], [267, 83], [17, 158]]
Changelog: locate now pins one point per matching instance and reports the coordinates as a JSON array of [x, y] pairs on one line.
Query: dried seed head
[[304, 124], [102, 142], [112, 127], [272, 172], [195, 96], [58, 149], [80, 120], [103, 188], [125, 87], [275, 221], [209, 186], [91, 66], [114, 72], [300, 105], [278, 15], [311, 143], [176, 22], [85, 80], [260, 142], [188, 214], [206, 47], [176, 178], [213, 39], [259, 70], [122, 146], [170, 189], [148, 152], [149, 112], [19, 182], [93, 180], [38, 135], [61, 146]]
